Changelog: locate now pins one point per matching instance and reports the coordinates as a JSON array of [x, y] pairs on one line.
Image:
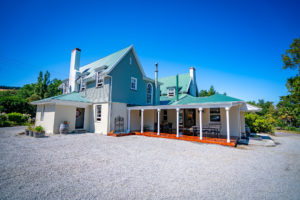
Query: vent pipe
[[156, 85], [177, 88]]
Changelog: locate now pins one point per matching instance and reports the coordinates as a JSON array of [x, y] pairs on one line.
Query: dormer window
[[82, 85], [171, 92], [99, 82]]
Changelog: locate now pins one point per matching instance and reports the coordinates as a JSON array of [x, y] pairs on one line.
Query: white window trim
[[98, 80], [96, 113], [151, 100], [170, 92], [215, 114], [82, 85], [43, 112], [133, 78]]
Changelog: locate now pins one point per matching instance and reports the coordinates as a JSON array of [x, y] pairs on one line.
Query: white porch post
[[240, 129], [227, 121], [158, 121], [200, 122], [142, 121], [128, 121], [177, 122]]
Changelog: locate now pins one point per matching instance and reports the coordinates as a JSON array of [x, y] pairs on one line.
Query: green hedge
[[13, 119], [260, 124]]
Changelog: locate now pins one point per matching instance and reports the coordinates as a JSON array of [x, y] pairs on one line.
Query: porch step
[[119, 134], [79, 131]]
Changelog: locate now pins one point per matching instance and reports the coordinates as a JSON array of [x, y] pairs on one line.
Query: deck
[[208, 140]]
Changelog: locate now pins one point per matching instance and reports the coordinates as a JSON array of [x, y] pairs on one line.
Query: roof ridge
[[127, 48], [174, 75]]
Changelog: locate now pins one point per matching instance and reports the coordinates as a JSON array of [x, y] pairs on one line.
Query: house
[[114, 94]]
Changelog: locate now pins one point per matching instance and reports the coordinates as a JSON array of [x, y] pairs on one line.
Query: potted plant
[[30, 130], [64, 128], [39, 132], [27, 130]]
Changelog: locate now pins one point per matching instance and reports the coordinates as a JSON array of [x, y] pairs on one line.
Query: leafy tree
[[210, 92], [291, 58], [52, 89]]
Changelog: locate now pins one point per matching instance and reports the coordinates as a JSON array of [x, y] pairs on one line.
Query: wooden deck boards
[[209, 140]]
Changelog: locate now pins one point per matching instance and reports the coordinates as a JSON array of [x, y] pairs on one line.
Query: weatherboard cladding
[[170, 81], [121, 80]]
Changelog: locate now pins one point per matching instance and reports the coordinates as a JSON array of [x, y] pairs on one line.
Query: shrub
[[259, 123], [18, 118], [39, 129]]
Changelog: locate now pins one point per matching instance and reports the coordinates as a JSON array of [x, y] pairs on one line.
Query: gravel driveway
[[89, 166]]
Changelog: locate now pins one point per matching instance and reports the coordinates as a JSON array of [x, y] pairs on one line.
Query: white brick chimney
[[74, 68], [193, 86]]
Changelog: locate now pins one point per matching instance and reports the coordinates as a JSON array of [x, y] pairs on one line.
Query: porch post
[[158, 121], [142, 120], [200, 122], [240, 130], [227, 121], [128, 121], [177, 122]]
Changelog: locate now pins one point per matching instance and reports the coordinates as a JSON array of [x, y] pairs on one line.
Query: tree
[[291, 58], [52, 89], [210, 92], [289, 106]]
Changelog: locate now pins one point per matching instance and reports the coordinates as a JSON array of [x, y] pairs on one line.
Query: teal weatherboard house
[[113, 94]]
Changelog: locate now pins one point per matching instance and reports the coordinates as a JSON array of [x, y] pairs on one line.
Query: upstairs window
[[215, 115], [133, 83], [171, 92], [98, 112], [82, 85], [149, 93], [64, 89], [99, 81]]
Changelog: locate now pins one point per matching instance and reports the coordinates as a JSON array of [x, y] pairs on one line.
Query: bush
[[259, 123], [18, 118], [39, 129]]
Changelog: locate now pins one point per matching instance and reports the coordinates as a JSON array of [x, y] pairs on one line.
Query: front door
[[189, 118], [79, 118]]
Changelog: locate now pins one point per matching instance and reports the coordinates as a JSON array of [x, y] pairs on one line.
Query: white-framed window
[[99, 81], [98, 112], [82, 85], [215, 115], [64, 88], [171, 92], [149, 93], [42, 112], [133, 83], [130, 60]]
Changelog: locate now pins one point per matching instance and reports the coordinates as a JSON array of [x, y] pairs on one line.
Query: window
[[133, 83], [171, 92], [149, 93], [99, 80], [165, 115], [98, 113], [82, 85], [64, 88], [215, 115], [130, 61], [42, 112]]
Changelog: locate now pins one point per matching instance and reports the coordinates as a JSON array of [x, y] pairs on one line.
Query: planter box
[[31, 133], [38, 135]]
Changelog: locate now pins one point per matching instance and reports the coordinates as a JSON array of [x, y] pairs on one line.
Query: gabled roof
[[109, 62], [72, 97], [170, 81], [185, 99]]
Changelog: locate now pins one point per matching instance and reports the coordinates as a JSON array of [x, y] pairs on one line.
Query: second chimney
[[193, 86], [74, 68]]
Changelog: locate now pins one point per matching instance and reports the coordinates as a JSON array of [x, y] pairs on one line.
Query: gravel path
[[89, 166]]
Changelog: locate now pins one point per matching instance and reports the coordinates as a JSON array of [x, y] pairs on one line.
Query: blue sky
[[234, 45]]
